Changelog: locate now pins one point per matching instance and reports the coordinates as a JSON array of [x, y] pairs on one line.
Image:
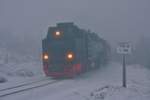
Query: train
[[68, 50]]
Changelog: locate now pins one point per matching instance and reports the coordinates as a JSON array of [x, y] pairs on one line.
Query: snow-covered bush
[[24, 73]]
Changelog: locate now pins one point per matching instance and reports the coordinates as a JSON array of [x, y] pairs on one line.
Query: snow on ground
[[17, 68], [102, 84], [18, 73]]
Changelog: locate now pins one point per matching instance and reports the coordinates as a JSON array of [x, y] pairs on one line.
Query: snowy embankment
[[106, 84], [102, 84], [16, 68]]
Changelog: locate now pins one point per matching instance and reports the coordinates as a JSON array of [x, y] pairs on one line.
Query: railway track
[[26, 87]]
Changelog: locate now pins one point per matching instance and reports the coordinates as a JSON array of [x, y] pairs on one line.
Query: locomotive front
[[59, 52]]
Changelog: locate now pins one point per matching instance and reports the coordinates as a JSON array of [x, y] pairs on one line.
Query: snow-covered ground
[[102, 84], [16, 69]]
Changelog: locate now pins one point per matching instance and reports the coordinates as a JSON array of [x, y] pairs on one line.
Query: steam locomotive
[[69, 51]]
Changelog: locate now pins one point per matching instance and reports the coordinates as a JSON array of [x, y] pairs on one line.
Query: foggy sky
[[115, 20]]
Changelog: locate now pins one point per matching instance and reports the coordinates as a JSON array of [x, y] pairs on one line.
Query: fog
[[76, 70], [23, 23]]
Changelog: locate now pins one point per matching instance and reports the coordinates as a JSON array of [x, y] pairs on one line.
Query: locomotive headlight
[[45, 57], [57, 33], [70, 56]]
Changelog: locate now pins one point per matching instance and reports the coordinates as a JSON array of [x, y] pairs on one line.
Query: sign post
[[124, 48], [124, 72]]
